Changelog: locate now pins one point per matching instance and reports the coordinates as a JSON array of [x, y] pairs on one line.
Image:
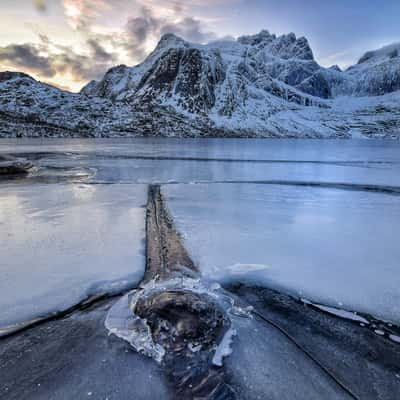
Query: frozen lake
[[335, 247], [317, 218], [356, 162], [62, 243]]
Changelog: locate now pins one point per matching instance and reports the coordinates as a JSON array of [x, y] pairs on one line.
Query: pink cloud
[[82, 12]]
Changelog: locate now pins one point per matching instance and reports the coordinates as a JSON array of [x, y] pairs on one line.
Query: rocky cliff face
[[258, 85], [192, 75]]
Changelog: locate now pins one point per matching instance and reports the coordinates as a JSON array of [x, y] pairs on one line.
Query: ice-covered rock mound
[[180, 316], [187, 326]]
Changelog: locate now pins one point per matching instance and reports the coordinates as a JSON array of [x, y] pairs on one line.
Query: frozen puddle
[[334, 247], [60, 244]]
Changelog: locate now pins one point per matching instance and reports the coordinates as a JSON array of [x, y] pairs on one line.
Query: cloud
[[47, 59], [27, 56], [104, 45], [81, 13], [98, 52], [190, 29], [183, 5], [40, 5], [137, 31], [142, 31], [152, 19]]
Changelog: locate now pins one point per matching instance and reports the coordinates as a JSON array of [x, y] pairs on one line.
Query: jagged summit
[[285, 46], [198, 78], [257, 85], [171, 40]]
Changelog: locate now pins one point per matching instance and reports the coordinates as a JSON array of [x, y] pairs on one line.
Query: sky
[[69, 42]]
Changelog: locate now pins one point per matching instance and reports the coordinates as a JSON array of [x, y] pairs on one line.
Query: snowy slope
[[376, 73], [258, 85], [31, 108]]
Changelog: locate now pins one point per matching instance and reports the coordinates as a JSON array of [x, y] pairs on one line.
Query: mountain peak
[[262, 36], [170, 40], [286, 46]]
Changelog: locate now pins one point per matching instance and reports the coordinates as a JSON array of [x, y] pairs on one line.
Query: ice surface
[[338, 248], [173, 171], [375, 163], [62, 243], [229, 149], [310, 235], [334, 247]]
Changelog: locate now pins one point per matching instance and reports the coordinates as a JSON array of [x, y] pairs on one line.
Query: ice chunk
[[224, 349], [123, 323], [395, 338], [339, 312]]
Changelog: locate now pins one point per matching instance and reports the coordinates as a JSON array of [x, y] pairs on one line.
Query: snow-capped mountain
[[259, 85], [199, 78]]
